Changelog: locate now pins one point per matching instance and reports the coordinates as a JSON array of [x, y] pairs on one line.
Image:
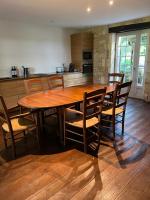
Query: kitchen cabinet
[[81, 44]]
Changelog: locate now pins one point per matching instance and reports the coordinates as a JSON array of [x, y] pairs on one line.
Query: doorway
[[131, 57]]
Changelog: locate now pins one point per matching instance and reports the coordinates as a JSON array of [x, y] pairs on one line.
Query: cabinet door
[[76, 50], [80, 42], [87, 41], [11, 91]]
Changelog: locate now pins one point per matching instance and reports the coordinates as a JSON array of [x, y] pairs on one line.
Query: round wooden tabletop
[[59, 97]]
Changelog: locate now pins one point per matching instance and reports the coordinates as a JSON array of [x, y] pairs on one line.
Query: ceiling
[[72, 13]]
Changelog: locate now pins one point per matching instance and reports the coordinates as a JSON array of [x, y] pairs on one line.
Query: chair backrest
[[92, 104], [33, 85], [115, 78], [4, 117], [120, 95], [55, 82]]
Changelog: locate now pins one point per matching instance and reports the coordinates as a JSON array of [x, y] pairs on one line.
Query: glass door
[[131, 54]]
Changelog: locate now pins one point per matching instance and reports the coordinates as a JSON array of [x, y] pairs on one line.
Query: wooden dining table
[[60, 99]]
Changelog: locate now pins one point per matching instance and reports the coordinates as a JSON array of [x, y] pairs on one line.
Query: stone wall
[[101, 53], [104, 51]]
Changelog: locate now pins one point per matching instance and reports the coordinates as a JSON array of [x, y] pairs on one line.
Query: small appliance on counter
[[59, 69], [25, 71], [14, 72], [71, 67]]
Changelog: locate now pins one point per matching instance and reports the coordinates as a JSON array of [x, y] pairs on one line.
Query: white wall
[[39, 47]]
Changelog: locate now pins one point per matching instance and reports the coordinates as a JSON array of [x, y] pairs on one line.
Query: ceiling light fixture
[[111, 2], [88, 9]]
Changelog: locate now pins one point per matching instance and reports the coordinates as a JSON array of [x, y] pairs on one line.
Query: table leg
[[61, 123], [39, 121]]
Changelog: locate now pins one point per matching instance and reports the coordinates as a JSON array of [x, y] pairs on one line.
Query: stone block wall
[[101, 53]]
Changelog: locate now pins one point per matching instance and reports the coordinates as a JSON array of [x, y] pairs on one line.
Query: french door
[[131, 56]]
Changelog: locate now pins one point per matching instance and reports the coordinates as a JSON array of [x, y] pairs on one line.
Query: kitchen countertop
[[35, 76]]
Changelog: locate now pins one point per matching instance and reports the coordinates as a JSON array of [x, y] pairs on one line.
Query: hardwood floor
[[121, 170]]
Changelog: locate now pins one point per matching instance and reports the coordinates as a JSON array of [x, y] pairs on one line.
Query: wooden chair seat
[[18, 124], [110, 111], [89, 122]]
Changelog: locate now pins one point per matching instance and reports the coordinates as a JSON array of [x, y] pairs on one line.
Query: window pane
[[140, 76], [129, 51], [144, 38], [142, 61], [123, 51], [131, 40], [122, 60], [128, 68], [128, 73], [128, 60], [143, 50], [123, 41], [122, 68], [128, 76]]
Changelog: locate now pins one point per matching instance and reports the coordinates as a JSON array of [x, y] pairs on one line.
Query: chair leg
[[64, 135], [5, 140], [61, 123], [123, 118], [25, 140], [13, 147], [98, 132], [24, 133], [37, 137], [85, 141], [113, 126], [58, 118], [3, 137]]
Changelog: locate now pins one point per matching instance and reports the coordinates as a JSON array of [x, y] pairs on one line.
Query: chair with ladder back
[[33, 85], [80, 129], [115, 78], [15, 127], [55, 82], [116, 107]]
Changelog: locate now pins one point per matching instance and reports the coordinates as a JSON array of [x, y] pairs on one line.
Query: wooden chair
[[117, 107], [33, 85], [55, 82], [115, 78], [90, 117], [14, 127]]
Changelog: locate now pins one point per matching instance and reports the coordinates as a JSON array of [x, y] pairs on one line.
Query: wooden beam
[[130, 27]]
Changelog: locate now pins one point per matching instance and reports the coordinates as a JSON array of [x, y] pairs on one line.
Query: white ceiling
[[72, 13]]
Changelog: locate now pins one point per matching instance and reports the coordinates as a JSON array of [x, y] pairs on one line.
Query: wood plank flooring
[[120, 172]]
